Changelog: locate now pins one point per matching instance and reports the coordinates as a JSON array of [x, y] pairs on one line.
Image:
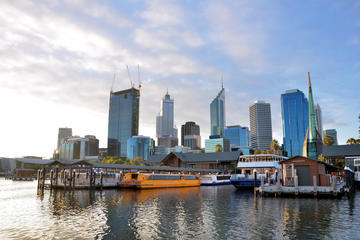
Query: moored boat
[[253, 168], [213, 179], [157, 180]]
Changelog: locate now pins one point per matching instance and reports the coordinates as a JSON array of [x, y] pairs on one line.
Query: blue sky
[[57, 60]]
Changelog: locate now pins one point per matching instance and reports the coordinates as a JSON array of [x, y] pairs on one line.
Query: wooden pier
[[336, 190]]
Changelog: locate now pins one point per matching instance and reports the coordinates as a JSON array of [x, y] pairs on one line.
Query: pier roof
[[150, 168], [341, 150], [198, 157]]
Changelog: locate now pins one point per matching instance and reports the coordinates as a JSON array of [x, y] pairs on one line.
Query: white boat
[[355, 165], [218, 179]]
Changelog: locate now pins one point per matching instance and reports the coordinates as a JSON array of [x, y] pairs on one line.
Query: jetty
[[81, 174], [301, 176]]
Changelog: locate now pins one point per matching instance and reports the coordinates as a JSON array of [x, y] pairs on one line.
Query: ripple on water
[[184, 213]]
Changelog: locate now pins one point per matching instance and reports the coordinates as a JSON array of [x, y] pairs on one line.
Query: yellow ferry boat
[[149, 180]]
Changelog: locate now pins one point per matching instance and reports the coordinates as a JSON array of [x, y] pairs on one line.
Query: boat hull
[[248, 184], [160, 184]]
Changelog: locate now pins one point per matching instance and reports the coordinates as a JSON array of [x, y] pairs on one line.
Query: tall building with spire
[[165, 119], [123, 120], [217, 114], [319, 120], [312, 142]]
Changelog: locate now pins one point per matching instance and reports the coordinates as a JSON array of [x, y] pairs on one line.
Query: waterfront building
[[140, 146], [295, 121], [78, 148], [168, 141], [312, 143], [63, 134], [189, 129], [192, 141], [333, 134], [238, 136], [359, 126], [319, 120], [165, 119], [260, 125], [123, 120], [214, 160], [212, 145], [217, 114]]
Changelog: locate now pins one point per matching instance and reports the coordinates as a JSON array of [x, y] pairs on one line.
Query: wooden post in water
[[43, 179], [38, 178], [296, 182], [333, 185], [101, 180], [315, 186], [74, 177], [255, 180], [70, 182], [65, 178], [51, 178]]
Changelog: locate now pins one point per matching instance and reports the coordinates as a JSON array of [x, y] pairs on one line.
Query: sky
[[58, 59]]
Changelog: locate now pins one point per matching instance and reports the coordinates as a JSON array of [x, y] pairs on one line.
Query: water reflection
[[179, 213]]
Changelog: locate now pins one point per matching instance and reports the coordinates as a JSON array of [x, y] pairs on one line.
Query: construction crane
[[131, 83]]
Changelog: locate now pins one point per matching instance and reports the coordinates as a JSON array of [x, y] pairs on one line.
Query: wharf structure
[[85, 175], [302, 176]]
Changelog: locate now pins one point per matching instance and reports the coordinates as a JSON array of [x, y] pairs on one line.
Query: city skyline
[[58, 62]]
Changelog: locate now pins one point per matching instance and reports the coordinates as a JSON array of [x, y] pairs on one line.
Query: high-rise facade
[[238, 136], [140, 146], [189, 129], [319, 120], [312, 143], [78, 148], [217, 114], [260, 125], [295, 121], [332, 133], [192, 141], [123, 120], [63, 134], [165, 120]]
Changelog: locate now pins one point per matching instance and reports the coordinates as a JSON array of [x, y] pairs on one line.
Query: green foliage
[[257, 151], [328, 140], [353, 141], [218, 148], [115, 160], [321, 158], [274, 145]]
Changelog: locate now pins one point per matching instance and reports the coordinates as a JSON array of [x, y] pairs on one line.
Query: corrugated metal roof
[[199, 157], [151, 168], [341, 150], [34, 161]]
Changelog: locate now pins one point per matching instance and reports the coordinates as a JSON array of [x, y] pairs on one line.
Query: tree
[[218, 148], [274, 145], [357, 141], [268, 152], [328, 140], [351, 141], [257, 151], [321, 158], [263, 151]]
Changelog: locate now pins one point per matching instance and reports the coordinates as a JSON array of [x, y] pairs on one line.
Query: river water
[[218, 212]]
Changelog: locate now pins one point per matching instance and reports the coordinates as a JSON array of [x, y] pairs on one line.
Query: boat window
[[164, 177], [223, 177], [134, 176], [190, 177]]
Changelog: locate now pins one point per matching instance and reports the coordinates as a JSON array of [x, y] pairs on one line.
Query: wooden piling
[[315, 186]]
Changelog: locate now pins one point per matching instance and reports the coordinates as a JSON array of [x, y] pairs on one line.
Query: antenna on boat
[[131, 83]]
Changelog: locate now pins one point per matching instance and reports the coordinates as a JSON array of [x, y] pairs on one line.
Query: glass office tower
[[139, 146], [238, 136], [123, 120], [217, 114], [295, 121]]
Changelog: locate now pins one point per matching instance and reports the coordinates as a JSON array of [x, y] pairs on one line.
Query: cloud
[[235, 30]]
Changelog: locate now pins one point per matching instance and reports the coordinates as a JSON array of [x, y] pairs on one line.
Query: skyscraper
[[165, 120], [123, 120], [260, 125], [217, 114], [139, 146], [189, 128], [295, 121], [63, 134], [332, 133], [312, 142], [238, 136], [319, 120]]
